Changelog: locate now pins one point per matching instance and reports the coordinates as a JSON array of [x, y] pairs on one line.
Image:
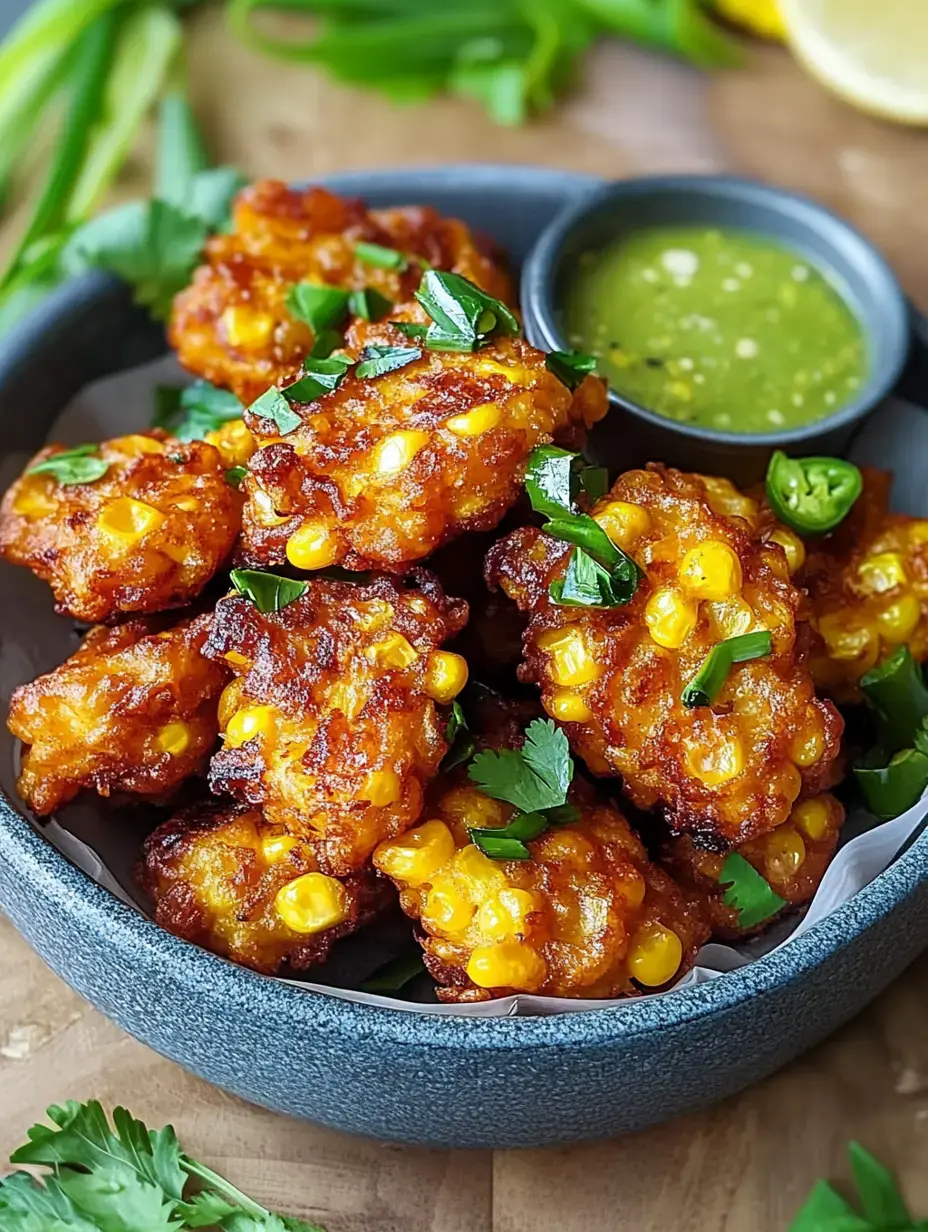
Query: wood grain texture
[[741, 1167]]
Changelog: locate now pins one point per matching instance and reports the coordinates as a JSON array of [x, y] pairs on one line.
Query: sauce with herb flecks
[[717, 327]]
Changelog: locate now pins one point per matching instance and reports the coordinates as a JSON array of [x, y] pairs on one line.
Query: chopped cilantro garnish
[[319, 306], [463, 316], [274, 406], [379, 360], [533, 778], [235, 475], [190, 413], [368, 304], [82, 464], [318, 376], [269, 592], [748, 892], [570, 367], [382, 258]]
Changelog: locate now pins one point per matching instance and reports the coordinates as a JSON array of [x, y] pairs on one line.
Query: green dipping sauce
[[716, 327]]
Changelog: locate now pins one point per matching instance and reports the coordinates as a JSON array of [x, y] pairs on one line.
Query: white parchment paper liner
[[896, 439]]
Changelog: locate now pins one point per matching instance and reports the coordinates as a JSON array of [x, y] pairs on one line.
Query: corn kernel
[[395, 452], [234, 442], [32, 502], [567, 706], [381, 788], [263, 510], [623, 522], [134, 445], [730, 617], [476, 421], [808, 747], [504, 915], [445, 675], [671, 617], [173, 739], [882, 572], [246, 328], [898, 620], [312, 546], [275, 846], [918, 532], [478, 870], [654, 955], [187, 504], [470, 807], [793, 548], [813, 817], [236, 659], [417, 855], [230, 699], [632, 888], [724, 499], [508, 964], [447, 907], [711, 571], [571, 662], [849, 640], [394, 651], [128, 520], [716, 763], [784, 854], [311, 903], [249, 722]]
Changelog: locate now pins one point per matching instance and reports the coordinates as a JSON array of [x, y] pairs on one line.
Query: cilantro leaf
[[880, 1199], [269, 592], [369, 304], [463, 316], [752, 896], [319, 306], [530, 778], [189, 413], [570, 367], [379, 360], [274, 406], [586, 584], [380, 257], [319, 376], [549, 480], [82, 464]]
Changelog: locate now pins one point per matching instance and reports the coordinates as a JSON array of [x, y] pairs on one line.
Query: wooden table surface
[[745, 1165]]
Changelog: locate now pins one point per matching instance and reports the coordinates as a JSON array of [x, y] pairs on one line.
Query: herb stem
[[181, 154], [223, 1187]]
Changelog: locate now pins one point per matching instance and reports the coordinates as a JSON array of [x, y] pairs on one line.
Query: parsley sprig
[[126, 1176], [534, 779], [598, 574], [752, 896], [82, 464]]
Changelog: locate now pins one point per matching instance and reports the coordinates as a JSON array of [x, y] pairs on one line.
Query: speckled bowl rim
[[197, 974], [808, 214]]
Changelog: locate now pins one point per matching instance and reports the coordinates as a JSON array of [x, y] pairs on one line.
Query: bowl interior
[[850, 263]]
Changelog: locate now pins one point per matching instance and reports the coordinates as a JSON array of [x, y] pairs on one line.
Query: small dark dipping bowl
[[852, 265]]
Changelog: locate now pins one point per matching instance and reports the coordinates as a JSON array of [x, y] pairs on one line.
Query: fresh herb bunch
[[511, 56], [123, 1178]]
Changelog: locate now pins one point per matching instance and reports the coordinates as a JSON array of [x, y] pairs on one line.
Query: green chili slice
[[896, 692], [893, 789], [812, 495]]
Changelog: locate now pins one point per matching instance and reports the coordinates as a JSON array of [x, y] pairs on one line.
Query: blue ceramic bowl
[[853, 266], [437, 1080]]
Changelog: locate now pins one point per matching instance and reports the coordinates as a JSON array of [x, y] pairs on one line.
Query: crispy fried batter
[[332, 724], [793, 858], [146, 536], [382, 471], [614, 677], [224, 878], [587, 916], [868, 590], [132, 711], [232, 326]]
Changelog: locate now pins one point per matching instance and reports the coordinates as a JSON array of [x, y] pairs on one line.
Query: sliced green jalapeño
[[812, 495]]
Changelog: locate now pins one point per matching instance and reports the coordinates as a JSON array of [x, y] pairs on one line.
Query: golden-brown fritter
[[614, 676], [224, 878], [793, 859], [132, 710], [232, 325], [587, 916], [332, 724], [384, 470], [146, 536], [868, 590]]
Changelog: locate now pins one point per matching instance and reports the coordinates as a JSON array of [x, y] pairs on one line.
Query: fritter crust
[[132, 710], [232, 326], [224, 878], [867, 584], [331, 724], [793, 858], [382, 471], [588, 916], [145, 537], [614, 677]]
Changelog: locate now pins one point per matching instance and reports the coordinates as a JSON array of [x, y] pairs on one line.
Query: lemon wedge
[[873, 53]]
